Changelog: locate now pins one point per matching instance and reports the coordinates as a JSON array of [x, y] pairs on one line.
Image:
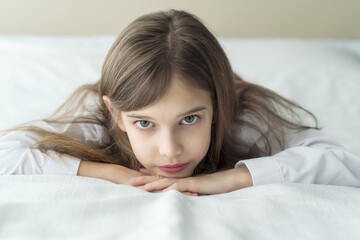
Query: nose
[[169, 145]]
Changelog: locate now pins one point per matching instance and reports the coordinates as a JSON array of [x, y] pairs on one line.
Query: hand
[[110, 172], [216, 183], [121, 174]]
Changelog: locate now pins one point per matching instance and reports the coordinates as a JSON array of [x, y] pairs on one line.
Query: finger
[[142, 188], [184, 192], [145, 171], [160, 184], [142, 180], [157, 191], [183, 186], [190, 193]]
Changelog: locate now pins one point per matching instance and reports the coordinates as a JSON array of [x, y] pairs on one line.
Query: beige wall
[[226, 18]]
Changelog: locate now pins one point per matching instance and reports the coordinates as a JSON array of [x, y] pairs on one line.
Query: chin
[[184, 174]]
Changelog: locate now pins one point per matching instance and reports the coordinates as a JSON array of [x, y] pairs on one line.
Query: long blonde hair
[[137, 72]]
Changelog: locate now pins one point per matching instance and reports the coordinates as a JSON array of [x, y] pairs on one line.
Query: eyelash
[[137, 123]]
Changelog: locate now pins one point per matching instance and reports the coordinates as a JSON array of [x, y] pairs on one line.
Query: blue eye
[[144, 124], [189, 119]]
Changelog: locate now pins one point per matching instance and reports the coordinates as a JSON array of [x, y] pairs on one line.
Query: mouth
[[174, 168]]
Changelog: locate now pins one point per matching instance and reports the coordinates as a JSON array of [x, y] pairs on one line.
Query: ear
[[118, 119], [108, 104]]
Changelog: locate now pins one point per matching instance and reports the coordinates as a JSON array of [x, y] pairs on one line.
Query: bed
[[38, 73]]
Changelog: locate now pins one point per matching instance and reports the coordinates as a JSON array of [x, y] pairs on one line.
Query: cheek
[[198, 145], [141, 147]]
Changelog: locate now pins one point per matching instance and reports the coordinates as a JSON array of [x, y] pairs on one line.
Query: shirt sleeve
[[17, 156], [310, 157]]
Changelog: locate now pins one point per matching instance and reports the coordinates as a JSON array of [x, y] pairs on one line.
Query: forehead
[[181, 96], [182, 88]]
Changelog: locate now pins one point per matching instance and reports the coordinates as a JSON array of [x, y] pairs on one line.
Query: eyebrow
[[194, 110]]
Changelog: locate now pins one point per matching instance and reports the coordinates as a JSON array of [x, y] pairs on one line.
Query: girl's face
[[171, 136]]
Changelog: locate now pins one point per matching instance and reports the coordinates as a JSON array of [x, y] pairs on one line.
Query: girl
[[169, 113]]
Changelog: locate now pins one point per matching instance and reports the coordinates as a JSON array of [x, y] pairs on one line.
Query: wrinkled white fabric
[[70, 207], [310, 157]]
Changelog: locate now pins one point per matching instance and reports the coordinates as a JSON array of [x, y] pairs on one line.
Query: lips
[[173, 168]]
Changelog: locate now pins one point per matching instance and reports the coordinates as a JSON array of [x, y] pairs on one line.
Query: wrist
[[242, 177], [117, 174]]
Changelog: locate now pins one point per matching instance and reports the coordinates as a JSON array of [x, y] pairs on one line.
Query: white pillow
[[321, 75]]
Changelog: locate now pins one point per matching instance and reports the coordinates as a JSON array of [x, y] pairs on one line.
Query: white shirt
[[310, 157]]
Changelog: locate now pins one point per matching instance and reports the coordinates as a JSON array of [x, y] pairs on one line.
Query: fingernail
[[132, 181]]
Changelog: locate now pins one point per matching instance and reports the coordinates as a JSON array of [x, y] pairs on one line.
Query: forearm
[[110, 172], [240, 178], [93, 169]]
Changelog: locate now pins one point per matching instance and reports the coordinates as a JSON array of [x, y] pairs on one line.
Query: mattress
[[38, 73]]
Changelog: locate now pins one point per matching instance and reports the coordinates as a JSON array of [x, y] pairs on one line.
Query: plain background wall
[[225, 18]]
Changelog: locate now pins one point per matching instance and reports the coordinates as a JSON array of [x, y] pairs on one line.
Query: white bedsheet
[[68, 207]]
